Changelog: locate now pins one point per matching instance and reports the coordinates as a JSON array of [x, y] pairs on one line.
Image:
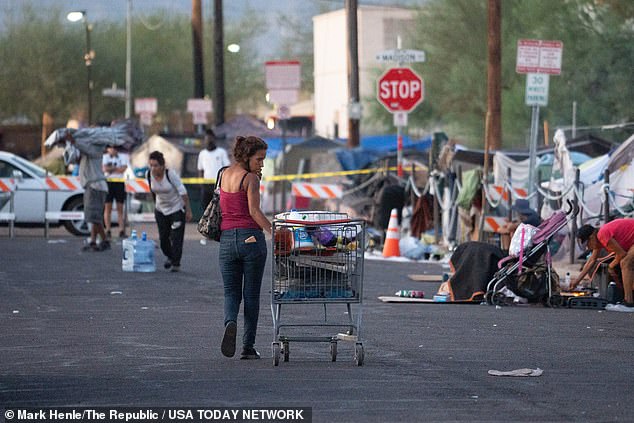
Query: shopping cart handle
[[313, 223]]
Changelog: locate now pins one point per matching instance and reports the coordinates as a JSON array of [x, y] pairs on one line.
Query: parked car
[[30, 195]]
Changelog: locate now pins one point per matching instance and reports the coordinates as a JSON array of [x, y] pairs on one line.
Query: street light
[[89, 55]]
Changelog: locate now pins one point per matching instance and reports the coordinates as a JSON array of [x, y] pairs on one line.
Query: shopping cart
[[317, 260]]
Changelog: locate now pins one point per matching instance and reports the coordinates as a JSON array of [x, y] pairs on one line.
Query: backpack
[[149, 182], [532, 283], [71, 154]]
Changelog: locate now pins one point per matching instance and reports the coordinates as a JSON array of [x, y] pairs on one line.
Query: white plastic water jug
[[129, 244], [144, 255]]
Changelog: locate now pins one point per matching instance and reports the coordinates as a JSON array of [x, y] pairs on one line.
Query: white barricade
[[494, 223], [324, 191], [138, 186], [8, 185], [64, 215]]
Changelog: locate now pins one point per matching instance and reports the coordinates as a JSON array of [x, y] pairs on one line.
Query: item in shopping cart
[[296, 216], [283, 241], [301, 239], [323, 236]]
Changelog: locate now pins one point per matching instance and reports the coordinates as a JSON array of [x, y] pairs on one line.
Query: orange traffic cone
[[390, 248]]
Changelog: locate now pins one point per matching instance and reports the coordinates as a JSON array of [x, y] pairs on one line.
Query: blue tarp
[[275, 145], [372, 148], [387, 143], [375, 147], [576, 157]]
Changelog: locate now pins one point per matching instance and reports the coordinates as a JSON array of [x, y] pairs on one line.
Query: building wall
[[23, 140], [378, 28]]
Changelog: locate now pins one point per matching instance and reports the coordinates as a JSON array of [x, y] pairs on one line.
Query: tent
[[244, 125], [181, 154], [376, 147], [311, 155]]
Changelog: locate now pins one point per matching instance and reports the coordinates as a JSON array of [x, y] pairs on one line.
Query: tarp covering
[[377, 146], [125, 134], [474, 265], [311, 150], [174, 156]]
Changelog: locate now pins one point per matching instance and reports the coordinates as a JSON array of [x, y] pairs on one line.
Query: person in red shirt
[[616, 237]]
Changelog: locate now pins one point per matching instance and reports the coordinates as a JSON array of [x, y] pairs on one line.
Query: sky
[[113, 10]]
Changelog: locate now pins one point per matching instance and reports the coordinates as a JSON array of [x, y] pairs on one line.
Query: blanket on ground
[[474, 265]]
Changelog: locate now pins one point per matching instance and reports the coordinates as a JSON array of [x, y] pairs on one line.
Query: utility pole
[[219, 64], [354, 109], [494, 100], [128, 61], [492, 124], [197, 38]]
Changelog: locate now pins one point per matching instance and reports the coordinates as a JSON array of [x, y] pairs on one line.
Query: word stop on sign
[[400, 89]]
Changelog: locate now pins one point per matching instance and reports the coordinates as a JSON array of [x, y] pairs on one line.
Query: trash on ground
[[517, 372], [619, 307]]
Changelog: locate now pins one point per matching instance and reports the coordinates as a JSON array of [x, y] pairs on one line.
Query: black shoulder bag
[[209, 223]]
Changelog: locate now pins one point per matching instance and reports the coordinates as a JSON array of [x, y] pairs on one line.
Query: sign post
[[400, 90], [146, 108], [283, 81], [538, 59], [199, 107]]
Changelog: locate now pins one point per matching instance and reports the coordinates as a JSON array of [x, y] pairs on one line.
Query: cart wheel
[[276, 353], [358, 353], [285, 350], [333, 350]]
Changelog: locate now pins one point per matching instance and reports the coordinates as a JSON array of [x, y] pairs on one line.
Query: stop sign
[[400, 90]]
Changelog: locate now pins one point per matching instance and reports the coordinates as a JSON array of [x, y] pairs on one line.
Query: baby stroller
[[536, 284]]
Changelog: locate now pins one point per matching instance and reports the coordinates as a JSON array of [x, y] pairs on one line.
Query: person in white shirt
[[114, 165], [172, 209], [210, 160]]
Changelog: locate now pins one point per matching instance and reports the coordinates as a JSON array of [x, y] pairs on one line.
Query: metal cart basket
[[317, 260]]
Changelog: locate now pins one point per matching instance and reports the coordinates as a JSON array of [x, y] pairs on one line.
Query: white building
[[378, 28]]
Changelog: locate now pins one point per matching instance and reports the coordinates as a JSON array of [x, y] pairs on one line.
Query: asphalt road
[[77, 331]]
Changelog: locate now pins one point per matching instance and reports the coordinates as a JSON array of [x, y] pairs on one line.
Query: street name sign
[[401, 56]]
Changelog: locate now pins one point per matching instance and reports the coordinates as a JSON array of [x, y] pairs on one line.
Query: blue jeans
[[242, 266]]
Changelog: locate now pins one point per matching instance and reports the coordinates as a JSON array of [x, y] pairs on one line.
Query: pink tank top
[[235, 211]]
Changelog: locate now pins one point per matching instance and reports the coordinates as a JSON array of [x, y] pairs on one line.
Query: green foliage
[[39, 68], [598, 58], [244, 72], [297, 44], [43, 70]]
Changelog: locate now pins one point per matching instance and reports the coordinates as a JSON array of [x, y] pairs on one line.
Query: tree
[[598, 58], [43, 68]]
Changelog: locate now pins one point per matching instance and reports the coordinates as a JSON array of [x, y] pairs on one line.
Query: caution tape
[[289, 177]]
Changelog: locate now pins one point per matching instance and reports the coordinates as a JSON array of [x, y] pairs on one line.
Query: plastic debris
[[517, 372], [619, 307]]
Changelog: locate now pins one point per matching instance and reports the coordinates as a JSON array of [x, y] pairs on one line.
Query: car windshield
[[32, 167]]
